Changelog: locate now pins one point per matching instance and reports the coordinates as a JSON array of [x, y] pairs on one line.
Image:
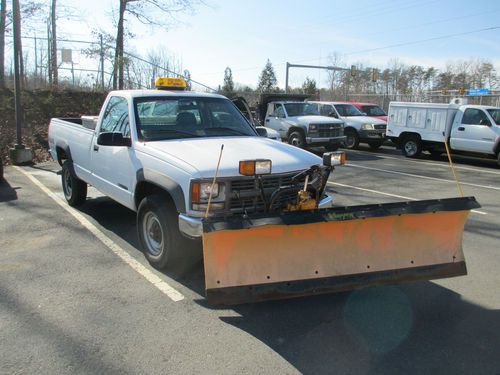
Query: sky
[[244, 34]]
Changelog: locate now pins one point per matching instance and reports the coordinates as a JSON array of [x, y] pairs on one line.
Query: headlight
[[367, 127], [200, 191], [313, 127]]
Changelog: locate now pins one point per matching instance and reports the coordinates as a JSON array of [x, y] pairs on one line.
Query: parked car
[[468, 129], [358, 127], [372, 110]]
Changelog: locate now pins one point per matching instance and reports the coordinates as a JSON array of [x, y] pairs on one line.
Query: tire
[[498, 160], [411, 147], [375, 145], [332, 147], [352, 139], [1, 170], [75, 190], [297, 139], [158, 232]]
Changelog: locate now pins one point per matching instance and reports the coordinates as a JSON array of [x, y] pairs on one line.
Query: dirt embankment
[[39, 107]]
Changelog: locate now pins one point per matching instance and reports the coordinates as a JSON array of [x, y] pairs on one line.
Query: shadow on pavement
[[7, 192], [413, 329]]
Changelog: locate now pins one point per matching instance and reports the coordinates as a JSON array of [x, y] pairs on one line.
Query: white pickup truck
[[156, 152], [358, 126], [468, 129], [300, 124]]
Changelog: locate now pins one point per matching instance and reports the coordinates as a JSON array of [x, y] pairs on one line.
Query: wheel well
[[350, 129], [62, 155], [145, 188], [405, 135], [295, 129]]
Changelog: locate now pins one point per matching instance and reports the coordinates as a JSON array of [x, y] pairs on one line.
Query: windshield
[[301, 109], [495, 113], [188, 117], [373, 110], [347, 110]]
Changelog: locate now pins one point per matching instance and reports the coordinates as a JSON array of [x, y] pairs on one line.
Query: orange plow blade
[[264, 257]]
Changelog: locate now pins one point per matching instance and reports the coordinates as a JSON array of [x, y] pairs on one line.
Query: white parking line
[[165, 288], [433, 163], [423, 177], [389, 194]]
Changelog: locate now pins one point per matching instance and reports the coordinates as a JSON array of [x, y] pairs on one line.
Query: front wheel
[[411, 147], [75, 190], [297, 139], [352, 139], [158, 231]]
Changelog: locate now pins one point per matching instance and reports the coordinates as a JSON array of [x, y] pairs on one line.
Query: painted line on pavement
[[389, 194], [438, 163], [423, 177], [165, 288]]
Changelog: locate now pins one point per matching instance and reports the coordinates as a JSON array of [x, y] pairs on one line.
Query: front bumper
[[192, 227], [325, 140], [372, 134]]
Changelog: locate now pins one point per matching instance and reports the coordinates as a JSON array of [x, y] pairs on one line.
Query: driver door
[[113, 166], [276, 120], [474, 133]]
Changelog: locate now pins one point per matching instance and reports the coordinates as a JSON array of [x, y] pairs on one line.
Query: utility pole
[[54, 42], [19, 154]]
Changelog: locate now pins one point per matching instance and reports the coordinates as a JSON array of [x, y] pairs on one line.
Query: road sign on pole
[[478, 92]]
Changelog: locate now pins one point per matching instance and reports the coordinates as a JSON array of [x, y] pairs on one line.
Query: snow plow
[[297, 249]]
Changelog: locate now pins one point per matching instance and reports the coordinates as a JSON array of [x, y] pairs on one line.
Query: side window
[[115, 117], [474, 116], [280, 111], [325, 109]]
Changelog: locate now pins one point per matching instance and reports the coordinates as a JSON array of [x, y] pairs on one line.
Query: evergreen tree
[[267, 79], [228, 87], [309, 86]]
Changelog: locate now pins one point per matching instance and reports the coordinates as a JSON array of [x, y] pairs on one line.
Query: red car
[[371, 110]]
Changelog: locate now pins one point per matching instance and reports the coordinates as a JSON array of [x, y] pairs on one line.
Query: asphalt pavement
[[77, 296]]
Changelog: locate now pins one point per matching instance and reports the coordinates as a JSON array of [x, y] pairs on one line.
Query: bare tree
[[3, 19], [149, 12]]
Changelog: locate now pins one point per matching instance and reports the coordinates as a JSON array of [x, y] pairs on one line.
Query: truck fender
[[150, 181], [296, 127], [63, 152]]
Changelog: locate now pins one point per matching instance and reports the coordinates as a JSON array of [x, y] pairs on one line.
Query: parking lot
[[77, 296]]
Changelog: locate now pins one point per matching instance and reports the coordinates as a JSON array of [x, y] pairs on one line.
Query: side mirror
[[485, 122], [113, 139], [261, 131], [333, 114]]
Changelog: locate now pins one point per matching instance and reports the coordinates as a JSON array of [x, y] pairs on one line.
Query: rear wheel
[[411, 147], [158, 232], [75, 190], [352, 139], [375, 145], [297, 139]]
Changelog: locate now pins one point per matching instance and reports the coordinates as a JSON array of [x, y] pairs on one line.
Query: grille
[[246, 195], [380, 127], [329, 130]]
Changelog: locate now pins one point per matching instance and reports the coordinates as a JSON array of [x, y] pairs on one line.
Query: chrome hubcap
[[411, 148], [153, 234], [349, 141], [67, 184]]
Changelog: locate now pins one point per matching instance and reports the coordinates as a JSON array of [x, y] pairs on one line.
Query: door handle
[[461, 129], [96, 148], [267, 120]]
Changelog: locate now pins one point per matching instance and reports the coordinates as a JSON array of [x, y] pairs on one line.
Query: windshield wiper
[[175, 131], [226, 128]]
